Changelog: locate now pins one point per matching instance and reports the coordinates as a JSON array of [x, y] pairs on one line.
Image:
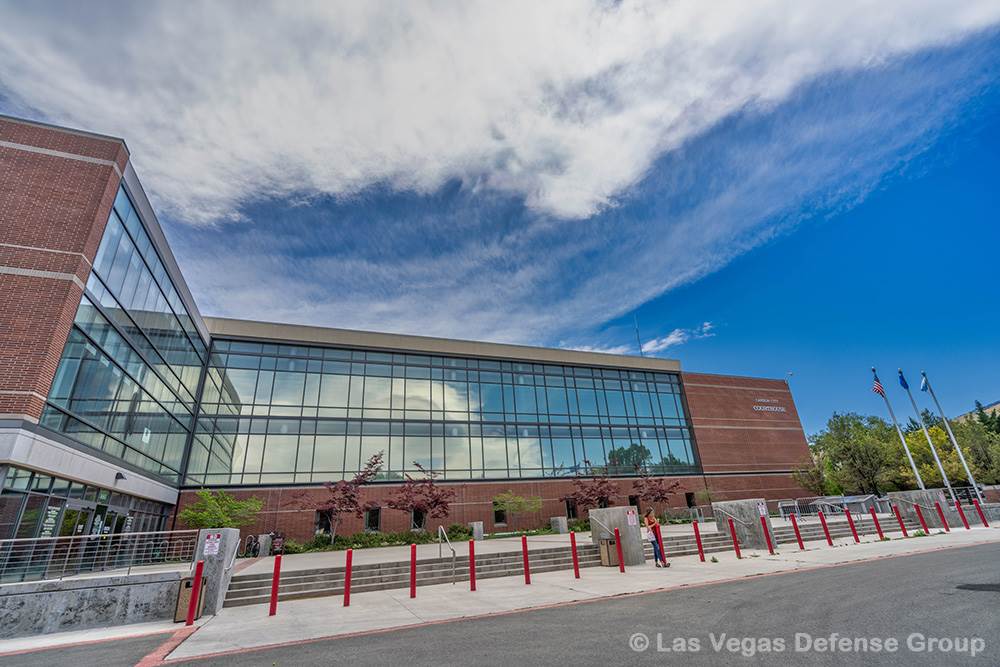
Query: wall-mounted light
[[119, 476]]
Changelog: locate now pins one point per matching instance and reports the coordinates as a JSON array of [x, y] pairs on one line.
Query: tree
[[344, 497], [511, 504], [220, 510], [860, 450], [815, 474], [422, 496], [654, 490], [597, 491], [982, 449], [629, 458], [989, 419]]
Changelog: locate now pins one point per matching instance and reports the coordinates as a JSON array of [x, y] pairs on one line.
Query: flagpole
[[906, 448], [951, 435], [927, 435]]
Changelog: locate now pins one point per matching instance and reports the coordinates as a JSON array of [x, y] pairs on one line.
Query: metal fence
[[41, 558]]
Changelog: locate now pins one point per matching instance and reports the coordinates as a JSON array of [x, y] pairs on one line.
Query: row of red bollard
[[275, 581]]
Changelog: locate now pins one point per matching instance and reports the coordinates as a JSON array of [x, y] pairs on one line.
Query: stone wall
[[41, 607]]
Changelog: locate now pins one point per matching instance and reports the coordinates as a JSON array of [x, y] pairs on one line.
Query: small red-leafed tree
[[343, 498], [654, 490], [596, 491], [422, 497]]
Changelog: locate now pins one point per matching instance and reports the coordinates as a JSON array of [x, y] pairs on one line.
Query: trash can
[[184, 599], [609, 552]]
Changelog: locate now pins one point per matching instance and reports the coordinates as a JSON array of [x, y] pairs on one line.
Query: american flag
[[877, 387]]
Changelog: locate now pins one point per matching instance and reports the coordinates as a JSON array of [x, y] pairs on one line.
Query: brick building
[[118, 399]]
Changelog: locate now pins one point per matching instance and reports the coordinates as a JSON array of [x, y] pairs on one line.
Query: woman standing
[[649, 520]]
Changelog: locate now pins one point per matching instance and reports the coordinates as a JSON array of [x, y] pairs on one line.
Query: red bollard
[[275, 578], [944, 519], [878, 526], [736, 541], [826, 529], [659, 539], [923, 524], [524, 552], [195, 593], [982, 516], [899, 518], [347, 578], [697, 540], [413, 570], [472, 565], [576, 561], [798, 535], [618, 548], [961, 514], [767, 535], [850, 522]]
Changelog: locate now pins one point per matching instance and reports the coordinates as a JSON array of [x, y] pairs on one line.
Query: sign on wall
[[767, 405], [212, 542]]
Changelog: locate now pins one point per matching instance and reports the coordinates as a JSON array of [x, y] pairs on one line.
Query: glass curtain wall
[[277, 414], [128, 377]]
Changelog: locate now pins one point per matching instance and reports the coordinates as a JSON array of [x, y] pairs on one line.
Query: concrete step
[[318, 582]]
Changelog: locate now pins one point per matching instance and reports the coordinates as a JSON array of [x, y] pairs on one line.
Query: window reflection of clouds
[[500, 420]]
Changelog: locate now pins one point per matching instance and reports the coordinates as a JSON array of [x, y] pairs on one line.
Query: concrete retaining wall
[[41, 607]]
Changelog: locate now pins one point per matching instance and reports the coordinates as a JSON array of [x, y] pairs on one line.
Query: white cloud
[[678, 337], [703, 110], [564, 103]]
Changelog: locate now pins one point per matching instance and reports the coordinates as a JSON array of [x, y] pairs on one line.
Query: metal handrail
[[608, 530], [232, 561], [46, 558], [730, 515], [910, 502], [454, 556]]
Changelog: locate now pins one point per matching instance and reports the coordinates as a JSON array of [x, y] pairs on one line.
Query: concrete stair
[[248, 589]]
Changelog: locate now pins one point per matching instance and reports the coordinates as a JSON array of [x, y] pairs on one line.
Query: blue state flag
[[923, 384], [902, 381]]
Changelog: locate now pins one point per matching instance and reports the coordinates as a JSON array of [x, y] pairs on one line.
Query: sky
[[766, 188]]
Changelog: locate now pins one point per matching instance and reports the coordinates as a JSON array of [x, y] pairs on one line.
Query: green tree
[[220, 510], [816, 474], [990, 420], [860, 451], [511, 504], [981, 447]]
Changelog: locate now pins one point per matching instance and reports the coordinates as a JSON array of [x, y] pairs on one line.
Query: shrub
[[579, 525], [293, 547], [457, 531]]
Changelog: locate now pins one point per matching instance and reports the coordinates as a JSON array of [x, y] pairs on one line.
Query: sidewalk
[[240, 628]]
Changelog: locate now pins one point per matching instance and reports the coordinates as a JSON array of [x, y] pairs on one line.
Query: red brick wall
[[53, 208], [746, 425], [292, 512]]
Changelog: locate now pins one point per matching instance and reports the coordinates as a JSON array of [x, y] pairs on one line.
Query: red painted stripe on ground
[[568, 603], [164, 649]]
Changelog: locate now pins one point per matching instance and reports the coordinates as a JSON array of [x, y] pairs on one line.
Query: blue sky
[[768, 188]]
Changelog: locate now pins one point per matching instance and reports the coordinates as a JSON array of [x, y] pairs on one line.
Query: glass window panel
[[456, 396], [616, 403], [557, 402], [288, 388], [329, 453], [524, 399], [265, 382], [668, 406], [418, 394], [334, 390]]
